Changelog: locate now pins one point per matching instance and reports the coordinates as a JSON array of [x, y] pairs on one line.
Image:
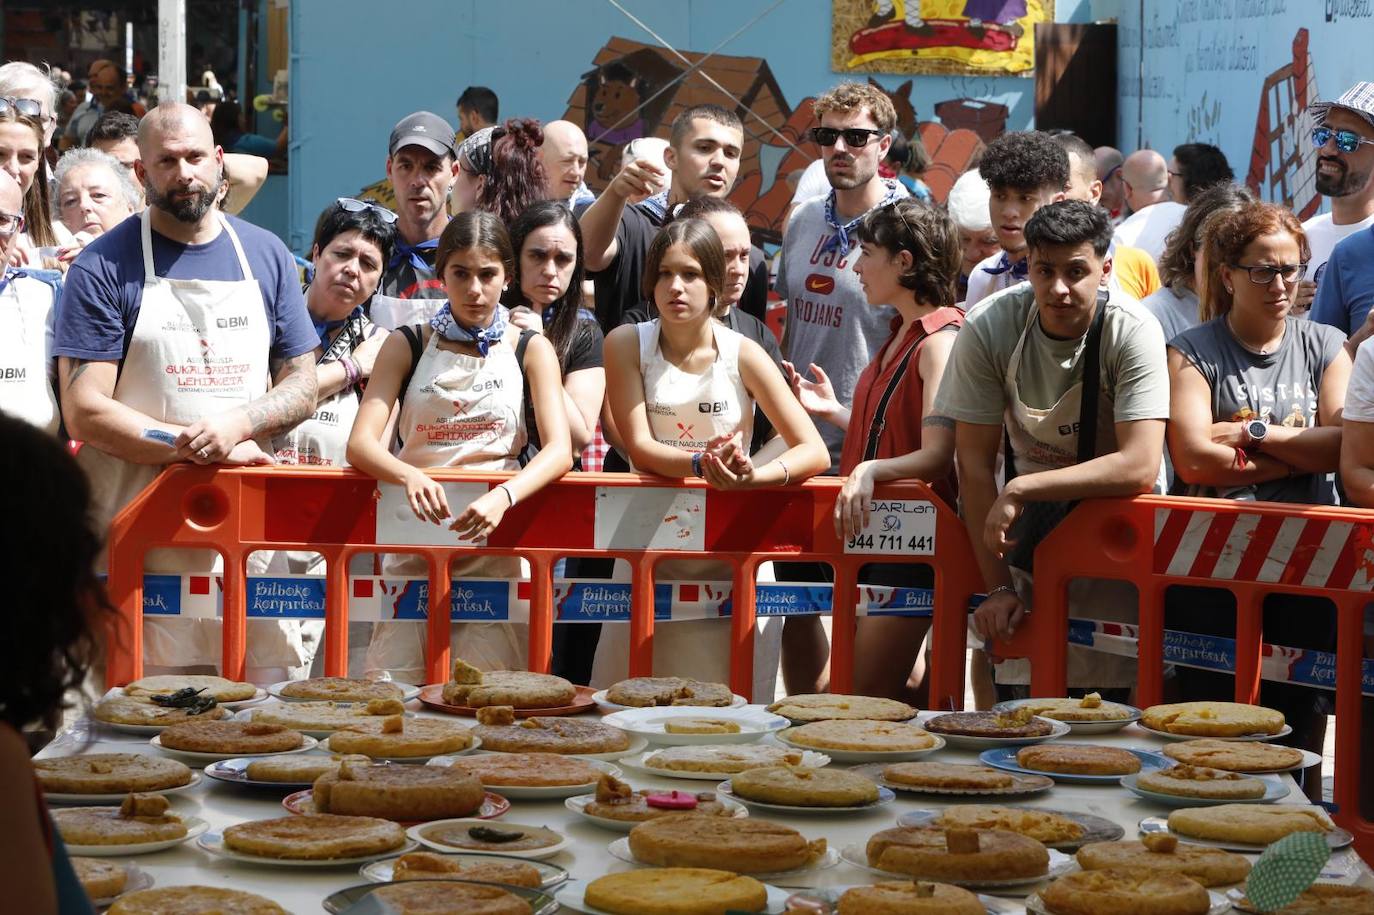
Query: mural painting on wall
[[936, 36], [1283, 164], [636, 90]]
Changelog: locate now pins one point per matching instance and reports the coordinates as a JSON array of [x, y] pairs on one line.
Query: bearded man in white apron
[[183, 337], [1073, 379], [26, 314]]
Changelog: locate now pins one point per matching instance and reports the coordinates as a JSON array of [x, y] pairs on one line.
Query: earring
[[1230, 291]]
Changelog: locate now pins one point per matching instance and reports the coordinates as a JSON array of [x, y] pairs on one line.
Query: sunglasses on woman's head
[[354, 205], [29, 108]]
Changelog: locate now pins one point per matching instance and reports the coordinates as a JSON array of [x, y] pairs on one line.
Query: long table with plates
[[301, 889]]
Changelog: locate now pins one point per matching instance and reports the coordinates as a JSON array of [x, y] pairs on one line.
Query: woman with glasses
[[21, 155], [1255, 415], [500, 170]]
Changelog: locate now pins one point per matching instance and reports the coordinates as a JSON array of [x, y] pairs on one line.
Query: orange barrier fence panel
[[1251, 549], [642, 520]]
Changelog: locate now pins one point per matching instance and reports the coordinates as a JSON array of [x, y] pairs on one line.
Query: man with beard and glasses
[[1343, 133], [183, 336]]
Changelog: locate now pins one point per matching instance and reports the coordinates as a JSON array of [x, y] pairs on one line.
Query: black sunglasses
[[857, 137], [354, 205], [29, 108]]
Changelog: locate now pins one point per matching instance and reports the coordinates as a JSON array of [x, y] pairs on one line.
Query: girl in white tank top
[[681, 390], [463, 407]]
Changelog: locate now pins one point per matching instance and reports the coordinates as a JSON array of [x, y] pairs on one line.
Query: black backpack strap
[[521, 345], [416, 338], [1092, 383], [875, 429]]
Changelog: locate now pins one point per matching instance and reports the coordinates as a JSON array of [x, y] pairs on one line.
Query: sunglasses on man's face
[[856, 137], [29, 108], [1347, 141]]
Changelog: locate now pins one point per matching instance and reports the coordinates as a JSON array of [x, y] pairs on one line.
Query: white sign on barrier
[[397, 524], [650, 517], [896, 527]]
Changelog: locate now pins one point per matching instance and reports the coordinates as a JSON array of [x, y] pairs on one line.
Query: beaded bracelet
[[696, 463]]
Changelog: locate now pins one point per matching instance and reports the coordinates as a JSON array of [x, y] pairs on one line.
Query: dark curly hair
[[516, 178], [1027, 160], [1184, 243], [57, 608], [1070, 222], [1202, 165], [563, 329], [931, 237]]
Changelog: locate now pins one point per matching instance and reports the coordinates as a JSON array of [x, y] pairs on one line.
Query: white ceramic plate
[[599, 697], [1060, 863], [147, 730], [1095, 828], [572, 896], [1081, 727], [418, 834], [754, 723], [1273, 791], [135, 879], [1236, 896], [578, 805], [809, 758], [620, 848], [214, 843], [415, 760], [352, 899], [966, 742], [1022, 784], [235, 772], [194, 827], [1260, 738], [66, 797], [201, 759], [552, 875], [408, 692], [1220, 904], [864, 756], [317, 733], [1309, 759], [528, 792], [830, 895], [885, 796], [259, 694], [1336, 838]]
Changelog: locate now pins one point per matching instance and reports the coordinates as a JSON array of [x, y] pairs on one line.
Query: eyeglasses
[[10, 223], [857, 137], [29, 108], [1346, 140], [1263, 274], [354, 205]]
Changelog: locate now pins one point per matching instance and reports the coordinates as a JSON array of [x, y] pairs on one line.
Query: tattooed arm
[[93, 415], [213, 439]]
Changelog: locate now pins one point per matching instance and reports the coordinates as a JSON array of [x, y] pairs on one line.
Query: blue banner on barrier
[[286, 598], [161, 595]]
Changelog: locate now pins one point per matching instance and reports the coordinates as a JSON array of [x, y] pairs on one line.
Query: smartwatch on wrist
[[1256, 430]]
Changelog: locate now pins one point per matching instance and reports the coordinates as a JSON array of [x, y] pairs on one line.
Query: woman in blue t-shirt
[[1255, 414]]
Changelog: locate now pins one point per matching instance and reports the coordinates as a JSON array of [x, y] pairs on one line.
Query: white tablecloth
[[300, 890]]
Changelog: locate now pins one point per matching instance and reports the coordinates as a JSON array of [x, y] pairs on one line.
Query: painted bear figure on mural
[[614, 116]]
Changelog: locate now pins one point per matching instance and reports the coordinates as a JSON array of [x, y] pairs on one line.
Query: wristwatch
[[1256, 430]]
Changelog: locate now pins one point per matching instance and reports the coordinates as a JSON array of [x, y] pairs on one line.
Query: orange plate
[[303, 802], [433, 697]]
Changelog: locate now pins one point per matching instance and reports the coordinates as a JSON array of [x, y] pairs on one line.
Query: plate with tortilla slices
[[302, 803], [67, 797], [135, 879], [550, 875], [573, 896], [1335, 837], [168, 684], [213, 842], [697, 725], [433, 697], [448, 891], [235, 772], [1352, 898], [479, 837], [411, 760], [1219, 904], [1005, 758], [1070, 710], [579, 804], [201, 759], [1094, 828], [1273, 791], [976, 724], [818, 898], [1060, 863], [850, 755], [726, 791], [640, 763], [339, 693], [1015, 784], [620, 848], [702, 711], [539, 792], [1260, 738], [253, 714], [195, 826]]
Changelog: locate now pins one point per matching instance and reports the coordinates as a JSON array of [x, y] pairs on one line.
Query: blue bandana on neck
[[404, 251], [1019, 270], [446, 324], [840, 240], [658, 205]]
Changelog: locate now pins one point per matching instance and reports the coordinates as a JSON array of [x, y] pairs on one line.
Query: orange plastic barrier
[[1251, 549], [643, 520]]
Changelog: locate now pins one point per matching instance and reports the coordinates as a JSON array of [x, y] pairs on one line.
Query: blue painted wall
[[357, 67], [1204, 64]]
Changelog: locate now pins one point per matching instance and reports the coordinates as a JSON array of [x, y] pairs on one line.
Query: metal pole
[[171, 50]]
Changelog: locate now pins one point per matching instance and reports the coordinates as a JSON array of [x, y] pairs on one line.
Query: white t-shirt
[[1148, 228], [1359, 394], [813, 183], [1322, 235]]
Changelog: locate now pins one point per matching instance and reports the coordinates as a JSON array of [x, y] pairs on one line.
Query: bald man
[[565, 162], [175, 366], [27, 298], [1108, 160], [1145, 175]]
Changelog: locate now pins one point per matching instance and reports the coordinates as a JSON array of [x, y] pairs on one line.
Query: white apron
[[686, 411], [26, 325], [465, 411], [199, 347], [1039, 445]]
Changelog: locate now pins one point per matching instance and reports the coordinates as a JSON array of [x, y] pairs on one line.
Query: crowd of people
[[1072, 323]]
